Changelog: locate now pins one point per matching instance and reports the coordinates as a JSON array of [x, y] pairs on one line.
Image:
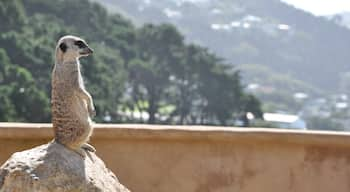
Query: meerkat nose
[[91, 51]]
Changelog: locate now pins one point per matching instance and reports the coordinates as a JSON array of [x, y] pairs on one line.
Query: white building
[[285, 121]]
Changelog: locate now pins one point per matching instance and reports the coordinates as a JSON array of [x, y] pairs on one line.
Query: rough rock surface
[[54, 168]]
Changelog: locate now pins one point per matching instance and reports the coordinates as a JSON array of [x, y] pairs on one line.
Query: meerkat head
[[70, 48]]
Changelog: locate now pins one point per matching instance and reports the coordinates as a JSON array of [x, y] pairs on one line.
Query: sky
[[321, 7]]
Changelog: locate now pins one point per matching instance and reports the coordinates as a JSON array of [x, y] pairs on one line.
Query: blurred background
[[250, 63]]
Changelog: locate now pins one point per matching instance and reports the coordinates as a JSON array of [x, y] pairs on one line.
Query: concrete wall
[[208, 159]]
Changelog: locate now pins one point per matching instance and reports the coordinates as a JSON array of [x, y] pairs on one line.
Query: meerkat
[[72, 106]]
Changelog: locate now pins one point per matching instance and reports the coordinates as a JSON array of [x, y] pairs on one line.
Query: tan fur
[[71, 104]]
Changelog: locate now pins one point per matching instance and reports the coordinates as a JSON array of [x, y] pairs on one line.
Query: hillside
[[343, 19], [309, 49]]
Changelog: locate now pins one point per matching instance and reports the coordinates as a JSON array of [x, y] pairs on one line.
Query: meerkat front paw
[[88, 147], [92, 111], [81, 152]]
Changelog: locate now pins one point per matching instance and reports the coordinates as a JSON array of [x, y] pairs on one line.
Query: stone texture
[[54, 168]]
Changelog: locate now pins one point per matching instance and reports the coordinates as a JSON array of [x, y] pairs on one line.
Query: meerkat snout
[[84, 49]]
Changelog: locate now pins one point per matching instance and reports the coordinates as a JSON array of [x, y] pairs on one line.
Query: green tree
[[184, 84], [250, 104], [7, 109], [22, 100], [152, 70], [12, 15], [105, 78]]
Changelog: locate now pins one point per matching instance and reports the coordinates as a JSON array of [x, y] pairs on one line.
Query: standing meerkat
[[72, 106]]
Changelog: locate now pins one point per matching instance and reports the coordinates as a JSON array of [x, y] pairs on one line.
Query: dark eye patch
[[80, 44], [63, 47]]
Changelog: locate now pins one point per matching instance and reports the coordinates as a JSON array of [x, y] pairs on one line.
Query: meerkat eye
[[80, 44], [63, 47]]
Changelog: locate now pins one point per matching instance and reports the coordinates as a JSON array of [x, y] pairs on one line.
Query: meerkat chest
[[66, 78]]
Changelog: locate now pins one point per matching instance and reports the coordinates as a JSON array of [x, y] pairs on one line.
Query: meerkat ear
[[63, 47]]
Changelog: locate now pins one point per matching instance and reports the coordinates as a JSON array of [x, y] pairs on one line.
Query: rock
[[54, 168]]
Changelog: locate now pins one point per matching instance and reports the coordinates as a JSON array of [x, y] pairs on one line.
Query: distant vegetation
[[133, 71], [313, 52]]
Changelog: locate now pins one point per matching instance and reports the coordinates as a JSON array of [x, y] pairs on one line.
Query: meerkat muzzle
[[87, 51], [90, 51]]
